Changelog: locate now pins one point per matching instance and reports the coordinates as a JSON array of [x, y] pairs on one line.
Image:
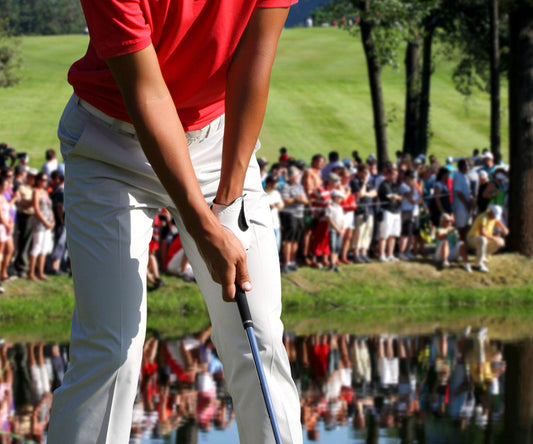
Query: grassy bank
[[319, 99], [401, 298]]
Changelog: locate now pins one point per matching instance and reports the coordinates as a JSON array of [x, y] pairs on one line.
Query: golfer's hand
[[233, 219], [225, 258]]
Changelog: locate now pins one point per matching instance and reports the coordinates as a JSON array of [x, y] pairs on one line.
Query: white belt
[[120, 125], [116, 124]]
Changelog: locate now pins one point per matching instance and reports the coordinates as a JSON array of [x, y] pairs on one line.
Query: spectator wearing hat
[[335, 218], [449, 166], [481, 236], [390, 225], [462, 199], [24, 222], [488, 163], [292, 218]]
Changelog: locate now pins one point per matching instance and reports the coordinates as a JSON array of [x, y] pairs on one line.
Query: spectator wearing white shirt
[[462, 199], [276, 204], [335, 216], [51, 162]]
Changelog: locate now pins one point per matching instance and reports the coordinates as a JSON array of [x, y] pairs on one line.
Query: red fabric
[[194, 41], [320, 239], [319, 360], [349, 203], [156, 227], [173, 364], [450, 188], [149, 369], [175, 246]]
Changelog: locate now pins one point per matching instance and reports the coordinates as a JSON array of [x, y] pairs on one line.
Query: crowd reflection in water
[[410, 386]]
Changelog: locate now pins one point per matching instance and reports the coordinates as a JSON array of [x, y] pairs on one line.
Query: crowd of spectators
[[345, 211], [32, 228], [414, 386], [324, 214]]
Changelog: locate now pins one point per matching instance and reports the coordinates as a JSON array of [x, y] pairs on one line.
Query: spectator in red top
[[169, 102], [320, 236], [349, 206]]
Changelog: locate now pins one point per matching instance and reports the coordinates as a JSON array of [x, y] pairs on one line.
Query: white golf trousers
[[111, 196]]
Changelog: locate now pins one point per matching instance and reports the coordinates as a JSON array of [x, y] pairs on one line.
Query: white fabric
[[111, 197], [42, 242], [174, 265], [391, 225], [453, 254], [274, 197], [349, 220], [364, 229], [462, 185], [336, 213]]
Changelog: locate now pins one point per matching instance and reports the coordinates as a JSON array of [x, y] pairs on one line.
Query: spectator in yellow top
[[481, 236]]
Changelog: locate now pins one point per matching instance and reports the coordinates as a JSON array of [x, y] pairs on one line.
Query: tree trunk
[[374, 77], [495, 80], [412, 96], [423, 129], [521, 128], [518, 416]]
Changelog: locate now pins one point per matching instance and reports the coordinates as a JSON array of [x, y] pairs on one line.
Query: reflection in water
[[444, 387]]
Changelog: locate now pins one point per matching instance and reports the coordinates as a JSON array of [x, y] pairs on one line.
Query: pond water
[[440, 387]]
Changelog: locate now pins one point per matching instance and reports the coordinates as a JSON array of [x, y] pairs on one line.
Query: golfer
[[167, 107]]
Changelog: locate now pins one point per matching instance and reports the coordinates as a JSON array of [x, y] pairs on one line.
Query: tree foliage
[[42, 17], [10, 58]]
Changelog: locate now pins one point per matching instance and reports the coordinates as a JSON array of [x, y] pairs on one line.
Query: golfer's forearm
[[161, 134], [246, 97], [165, 146]]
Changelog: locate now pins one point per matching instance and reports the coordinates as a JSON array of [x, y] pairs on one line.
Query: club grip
[[244, 310]]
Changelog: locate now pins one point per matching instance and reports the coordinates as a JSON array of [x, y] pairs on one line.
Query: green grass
[[404, 297], [319, 99]]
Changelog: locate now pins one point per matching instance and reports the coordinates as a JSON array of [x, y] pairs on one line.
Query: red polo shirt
[[194, 40]]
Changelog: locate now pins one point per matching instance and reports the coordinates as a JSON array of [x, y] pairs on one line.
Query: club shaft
[[263, 383], [246, 318]]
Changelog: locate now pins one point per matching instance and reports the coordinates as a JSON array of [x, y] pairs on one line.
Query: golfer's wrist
[[228, 195]]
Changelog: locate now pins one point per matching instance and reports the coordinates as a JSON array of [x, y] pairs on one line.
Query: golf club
[[244, 310]]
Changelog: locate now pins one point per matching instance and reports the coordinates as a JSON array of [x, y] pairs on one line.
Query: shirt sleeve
[[116, 27]]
